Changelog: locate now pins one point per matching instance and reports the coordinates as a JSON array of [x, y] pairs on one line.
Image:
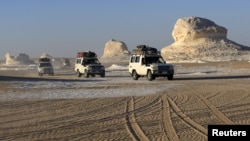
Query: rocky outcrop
[[20, 59], [187, 30], [202, 39], [115, 50]]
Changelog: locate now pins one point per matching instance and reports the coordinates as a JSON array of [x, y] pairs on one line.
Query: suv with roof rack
[[87, 64], [147, 61], [45, 67]]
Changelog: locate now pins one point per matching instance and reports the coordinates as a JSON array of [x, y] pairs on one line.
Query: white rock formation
[[186, 30], [201, 39], [20, 59], [115, 50]]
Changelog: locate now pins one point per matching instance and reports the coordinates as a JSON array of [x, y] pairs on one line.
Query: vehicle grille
[[47, 70], [163, 68], [96, 68]]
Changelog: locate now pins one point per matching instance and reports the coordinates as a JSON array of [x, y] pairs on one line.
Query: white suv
[[151, 65], [87, 64], [45, 67]]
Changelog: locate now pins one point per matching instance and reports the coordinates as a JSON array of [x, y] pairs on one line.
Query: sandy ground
[[178, 114]]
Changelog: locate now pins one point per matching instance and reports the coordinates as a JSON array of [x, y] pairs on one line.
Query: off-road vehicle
[[147, 61], [87, 64], [44, 66]]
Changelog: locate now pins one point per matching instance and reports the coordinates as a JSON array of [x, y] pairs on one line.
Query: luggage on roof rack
[[143, 49], [44, 59], [86, 54], [151, 50]]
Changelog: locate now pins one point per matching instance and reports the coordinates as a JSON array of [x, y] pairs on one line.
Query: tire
[[150, 76], [170, 77], [78, 73], [135, 75], [103, 74], [86, 75]]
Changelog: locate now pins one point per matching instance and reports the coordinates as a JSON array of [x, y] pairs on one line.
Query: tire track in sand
[[215, 110], [186, 119], [131, 125], [168, 127]]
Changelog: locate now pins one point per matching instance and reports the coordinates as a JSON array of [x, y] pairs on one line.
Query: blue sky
[[61, 28]]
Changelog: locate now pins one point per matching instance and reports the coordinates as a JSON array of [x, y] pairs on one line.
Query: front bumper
[[163, 72], [46, 71], [96, 71]]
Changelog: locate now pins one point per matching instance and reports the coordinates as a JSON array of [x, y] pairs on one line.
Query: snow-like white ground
[[117, 82]]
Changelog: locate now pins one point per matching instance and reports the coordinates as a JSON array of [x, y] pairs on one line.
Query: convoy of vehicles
[[87, 64], [45, 66], [144, 61], [147, 61]]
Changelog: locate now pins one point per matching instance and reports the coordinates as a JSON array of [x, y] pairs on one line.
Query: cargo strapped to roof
[[145, 50], [44, 59], [86, 54]]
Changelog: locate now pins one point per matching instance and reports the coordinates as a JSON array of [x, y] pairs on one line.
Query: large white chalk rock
[[202, 39], [114, 48], [115, 51], [193, 28], [20, 59]]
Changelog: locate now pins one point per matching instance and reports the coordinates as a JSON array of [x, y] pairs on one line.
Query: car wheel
[[150, 76], [103, 74], [86, 75], [78, 74], [170, 77], [135, 75]]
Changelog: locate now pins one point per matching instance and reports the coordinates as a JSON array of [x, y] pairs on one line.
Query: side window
[[78, 61], [137, 59], [133, 59]]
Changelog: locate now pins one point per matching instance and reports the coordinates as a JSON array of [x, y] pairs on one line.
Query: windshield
[[150, 60], [90, 61], [45, 65]]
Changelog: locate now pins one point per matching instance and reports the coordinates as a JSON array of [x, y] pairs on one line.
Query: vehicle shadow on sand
[[18, 78], [212, 77]]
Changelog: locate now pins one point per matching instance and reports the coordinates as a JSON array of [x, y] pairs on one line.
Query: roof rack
[[86, 54], [145, 50], [45, 59]]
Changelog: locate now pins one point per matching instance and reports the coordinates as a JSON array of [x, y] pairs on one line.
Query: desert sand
[[178, 114]]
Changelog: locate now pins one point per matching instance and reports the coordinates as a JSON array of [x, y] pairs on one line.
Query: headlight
[[103, 68], [171, 67], [154, 67]]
